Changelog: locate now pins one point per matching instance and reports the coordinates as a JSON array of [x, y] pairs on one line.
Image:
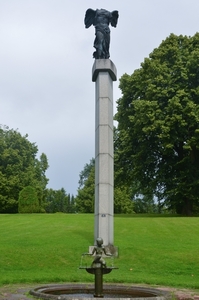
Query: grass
[[44, 248]]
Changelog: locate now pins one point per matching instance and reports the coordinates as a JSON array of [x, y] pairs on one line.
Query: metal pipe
[[99, 283]]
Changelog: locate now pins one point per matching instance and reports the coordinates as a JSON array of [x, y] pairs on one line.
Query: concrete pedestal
[[103, 74]]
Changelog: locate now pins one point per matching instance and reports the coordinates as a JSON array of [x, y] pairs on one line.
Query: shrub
[[28, 200]]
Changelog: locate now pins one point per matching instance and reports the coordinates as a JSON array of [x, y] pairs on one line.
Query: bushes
[[28, 201]]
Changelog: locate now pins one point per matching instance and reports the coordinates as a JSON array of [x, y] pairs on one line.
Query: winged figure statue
[[100, 19]]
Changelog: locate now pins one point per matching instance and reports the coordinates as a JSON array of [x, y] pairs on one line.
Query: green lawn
[[44, 248]]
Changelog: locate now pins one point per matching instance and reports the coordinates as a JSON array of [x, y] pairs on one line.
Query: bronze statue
[[99, 250], [101, 19]]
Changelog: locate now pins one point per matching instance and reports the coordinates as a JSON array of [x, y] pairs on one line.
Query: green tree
[[41, 181], [19, 168], [71, 204], [28, 201], [59, 201], [145, 204], [86, 194], [122, 201], [84, 174], [158, 124], [51, 205]]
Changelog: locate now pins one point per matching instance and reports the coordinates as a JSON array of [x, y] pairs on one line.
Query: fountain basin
[[85, 291], [91, 270]]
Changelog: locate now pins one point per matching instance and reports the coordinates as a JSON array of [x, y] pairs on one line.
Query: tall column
[[103, 74]]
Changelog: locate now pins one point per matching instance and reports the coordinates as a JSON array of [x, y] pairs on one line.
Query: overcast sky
[[46, 89]]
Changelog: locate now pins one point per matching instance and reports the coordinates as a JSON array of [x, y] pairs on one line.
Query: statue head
[[99, 241]]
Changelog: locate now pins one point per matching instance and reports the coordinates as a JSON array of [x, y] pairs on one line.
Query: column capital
[[104, 65]]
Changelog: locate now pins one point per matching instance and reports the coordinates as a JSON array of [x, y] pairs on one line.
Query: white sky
[[46, 59]]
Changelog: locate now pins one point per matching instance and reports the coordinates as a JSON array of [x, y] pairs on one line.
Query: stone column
[[103, 74]]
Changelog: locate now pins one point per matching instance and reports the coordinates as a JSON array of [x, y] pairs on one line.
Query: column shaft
[[104, 73]]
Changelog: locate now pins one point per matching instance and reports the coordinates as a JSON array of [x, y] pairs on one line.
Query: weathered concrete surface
[[15, 292], [103, 74]]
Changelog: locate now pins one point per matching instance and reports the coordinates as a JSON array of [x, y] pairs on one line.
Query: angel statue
[[101, 19]]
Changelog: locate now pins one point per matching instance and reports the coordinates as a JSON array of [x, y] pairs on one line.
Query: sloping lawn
[[44, 248]]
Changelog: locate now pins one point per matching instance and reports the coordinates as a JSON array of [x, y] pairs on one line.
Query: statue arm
[[114, 18], [106, 253], [94, 250], [89, 17]]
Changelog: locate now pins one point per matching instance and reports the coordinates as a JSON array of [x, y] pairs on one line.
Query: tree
[[59, 201], [144, 204], [41, 180], [86, 195], [72, 205], [122, 201], [158, 124], [28, 201], [84, 174], [19, 168]]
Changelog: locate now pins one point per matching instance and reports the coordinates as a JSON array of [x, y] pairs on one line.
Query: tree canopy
[[85, 173], [19, 167], [158, 124], [59, 201], [86, 193]]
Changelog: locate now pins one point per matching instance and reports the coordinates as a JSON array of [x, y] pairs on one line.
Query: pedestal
[[99, 271], [103, 74]]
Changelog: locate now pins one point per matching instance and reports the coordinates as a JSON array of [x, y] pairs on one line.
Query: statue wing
[[89, 17], [114, 18]]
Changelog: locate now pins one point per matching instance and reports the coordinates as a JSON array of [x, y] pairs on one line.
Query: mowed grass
[[45, 248]]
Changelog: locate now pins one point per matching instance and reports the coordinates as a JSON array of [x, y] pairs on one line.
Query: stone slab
[[104, 65]]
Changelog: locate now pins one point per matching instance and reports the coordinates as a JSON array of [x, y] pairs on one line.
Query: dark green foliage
[[84, 174], [19, 168], [145, 205], [28, 200], [86, 194], [158, 125], [59, 201], [122, 201], [41, 180]]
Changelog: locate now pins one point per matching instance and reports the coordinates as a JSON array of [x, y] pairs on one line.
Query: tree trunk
[[187, 208]]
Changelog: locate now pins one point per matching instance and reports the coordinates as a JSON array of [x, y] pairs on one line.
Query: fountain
[[86, 291], [98, 267], [103, 74]]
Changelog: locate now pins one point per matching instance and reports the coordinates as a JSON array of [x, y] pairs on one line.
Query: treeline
[[157, 137], [55, 201], [156, 144], [23, 182], [59, 201], [20, 167], [126, 198]]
